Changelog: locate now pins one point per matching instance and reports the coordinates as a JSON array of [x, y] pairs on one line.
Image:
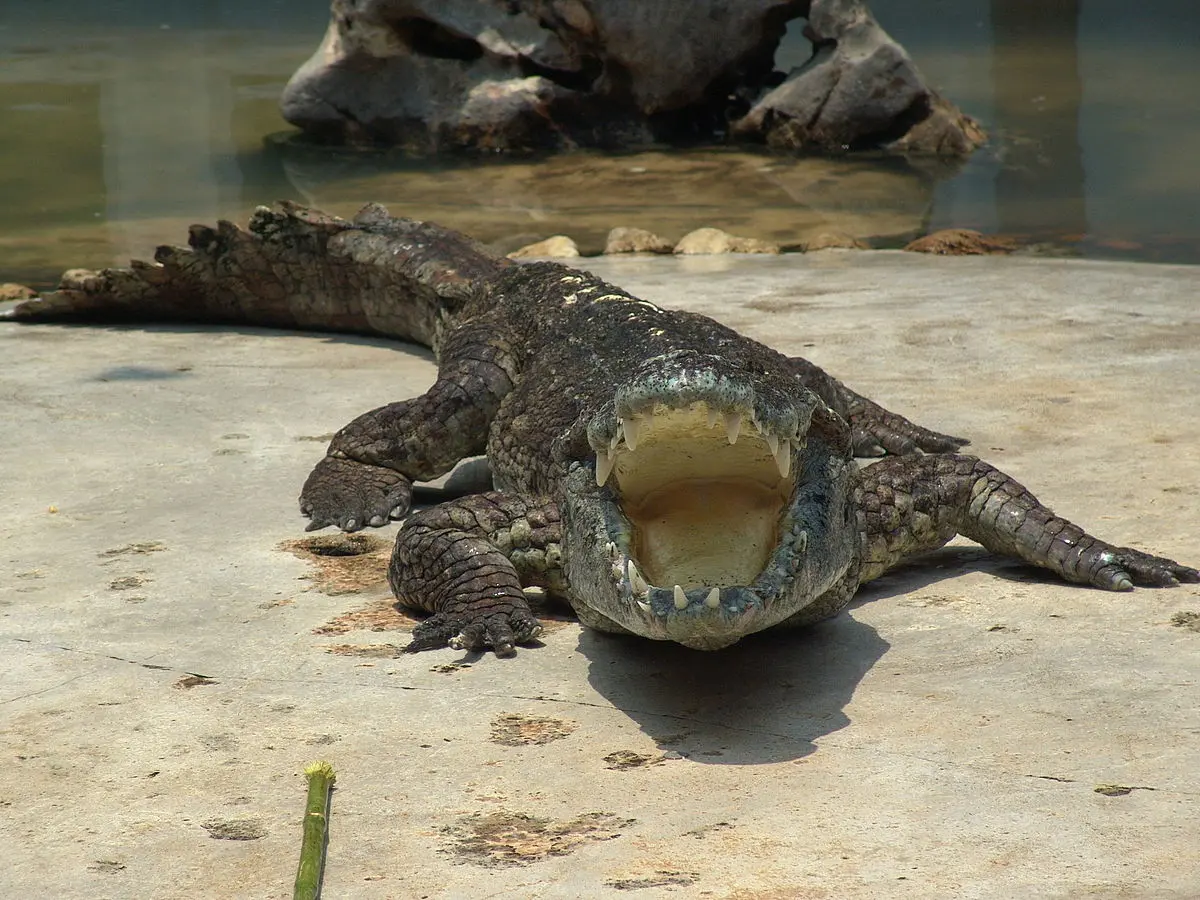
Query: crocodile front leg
[[367, 474], [465, 562], [875, 431], [911, 505]]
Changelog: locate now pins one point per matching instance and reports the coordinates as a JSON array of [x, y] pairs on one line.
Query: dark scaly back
[[580, 338]]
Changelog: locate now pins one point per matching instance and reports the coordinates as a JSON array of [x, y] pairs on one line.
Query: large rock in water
[[859, 90], [527, 75]]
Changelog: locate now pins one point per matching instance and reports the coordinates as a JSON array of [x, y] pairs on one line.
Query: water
[[1094, 106], [120, 127]]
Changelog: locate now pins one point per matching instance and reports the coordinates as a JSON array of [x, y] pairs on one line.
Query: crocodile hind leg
[[910, 505], [875, 431], [367, 474], [465, 562]]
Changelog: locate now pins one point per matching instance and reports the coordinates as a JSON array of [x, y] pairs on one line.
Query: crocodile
[[661, 473]]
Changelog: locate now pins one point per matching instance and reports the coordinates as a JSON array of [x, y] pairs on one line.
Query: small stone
[[833, 240], [636, 240], [10, 291], [559, 246], [714, 240], [961, 242]]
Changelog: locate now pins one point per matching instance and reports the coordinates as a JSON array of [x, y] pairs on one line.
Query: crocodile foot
[[353, 495], [1124, 567], [498, 631]]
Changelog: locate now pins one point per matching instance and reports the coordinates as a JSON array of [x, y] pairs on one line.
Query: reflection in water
[[1035, 73], [121, 123], [508, 204], [1132, 112], [169, 146], [120, 130]]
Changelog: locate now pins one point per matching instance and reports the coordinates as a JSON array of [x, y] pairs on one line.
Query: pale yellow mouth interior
[[705, 513]]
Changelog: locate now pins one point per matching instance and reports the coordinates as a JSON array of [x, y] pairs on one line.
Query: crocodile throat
[[703, 511]]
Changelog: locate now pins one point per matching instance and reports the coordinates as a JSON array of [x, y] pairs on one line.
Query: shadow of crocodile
[[768, 698], [772, 696]]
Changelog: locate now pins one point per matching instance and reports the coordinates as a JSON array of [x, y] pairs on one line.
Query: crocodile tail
[[292, 267]]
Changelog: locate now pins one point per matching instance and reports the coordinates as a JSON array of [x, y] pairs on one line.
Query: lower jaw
[[607, 599]]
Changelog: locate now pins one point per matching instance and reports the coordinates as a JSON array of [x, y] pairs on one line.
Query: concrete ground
[[970, 728]]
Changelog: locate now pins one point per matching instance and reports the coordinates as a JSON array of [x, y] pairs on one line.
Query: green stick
[[320, 777]]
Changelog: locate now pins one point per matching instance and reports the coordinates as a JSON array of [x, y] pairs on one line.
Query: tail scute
[[293, 267]]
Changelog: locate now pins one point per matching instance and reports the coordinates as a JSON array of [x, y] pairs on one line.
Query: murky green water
[[120, 126]]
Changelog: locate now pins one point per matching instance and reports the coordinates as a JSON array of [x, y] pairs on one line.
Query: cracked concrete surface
[[968, 729]]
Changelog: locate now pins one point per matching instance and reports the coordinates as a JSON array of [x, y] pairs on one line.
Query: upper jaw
[[686, 381]]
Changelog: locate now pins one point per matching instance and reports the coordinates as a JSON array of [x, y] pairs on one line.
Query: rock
[[558, 246], [961, 242], [832, 240], [9, 292], [503, 115], [636, 240], [945, 131], [714, 240], [422, 73], [860, 90], [531, 75]]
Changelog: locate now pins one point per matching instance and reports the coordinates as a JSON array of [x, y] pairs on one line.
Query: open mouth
[[701, 509], [703, 497], [723, 505]]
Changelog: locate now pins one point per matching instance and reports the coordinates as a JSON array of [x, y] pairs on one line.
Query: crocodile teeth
[[681, 600], [713, 415], [636, 582], [783, 457], [801, 542], [713, 600], [643, 606], [733, 424], [604, 466], [614, 440], [630, 428], [772, 443]]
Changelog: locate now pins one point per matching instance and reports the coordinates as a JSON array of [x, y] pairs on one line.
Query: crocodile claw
[[499, 633], [1128, 567], [352, 495]]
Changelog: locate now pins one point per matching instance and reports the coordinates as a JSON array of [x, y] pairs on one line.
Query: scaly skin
[[910, 505], [663, 474], [492, 545]]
